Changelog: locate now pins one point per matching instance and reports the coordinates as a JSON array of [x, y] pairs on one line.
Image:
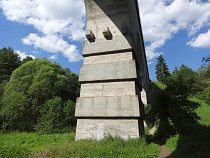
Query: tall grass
[[19, 145], [32, 145], [107, 148]]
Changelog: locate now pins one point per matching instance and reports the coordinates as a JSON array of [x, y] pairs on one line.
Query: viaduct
[[115, 84]]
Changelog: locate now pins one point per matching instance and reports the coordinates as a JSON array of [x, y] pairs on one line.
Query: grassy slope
[[196, 143], [19, 145]]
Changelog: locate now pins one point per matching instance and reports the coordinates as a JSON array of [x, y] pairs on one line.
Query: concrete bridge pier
[[114, 76]]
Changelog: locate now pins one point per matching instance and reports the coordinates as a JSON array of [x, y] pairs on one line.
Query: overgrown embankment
[[33, 145]]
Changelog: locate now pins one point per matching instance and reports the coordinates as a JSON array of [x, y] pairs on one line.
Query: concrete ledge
[[103, 46], [98, 129], [122, 106], [108, 71]]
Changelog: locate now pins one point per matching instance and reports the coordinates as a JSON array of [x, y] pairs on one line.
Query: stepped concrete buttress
[[114, 76]]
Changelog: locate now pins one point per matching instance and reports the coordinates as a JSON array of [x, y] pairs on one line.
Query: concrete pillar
[[110, 99]]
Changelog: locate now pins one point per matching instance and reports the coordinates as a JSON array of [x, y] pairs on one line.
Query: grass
[[19, 145], [107, 148], [203, 112], [32, 145], [196, 143]]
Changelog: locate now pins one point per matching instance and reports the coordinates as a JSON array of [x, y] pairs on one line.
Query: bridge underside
[[114, 76]]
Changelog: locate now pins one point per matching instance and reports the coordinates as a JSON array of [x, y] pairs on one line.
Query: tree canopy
[[175, 105], [162, 71], [9, 61], [30, 87]]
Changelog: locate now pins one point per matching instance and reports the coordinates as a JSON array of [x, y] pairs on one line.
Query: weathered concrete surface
[[99, 128], [108, 58], [108, 71], [108, 89], [113, 73], [102, 45], [121, 106], [101, 14]]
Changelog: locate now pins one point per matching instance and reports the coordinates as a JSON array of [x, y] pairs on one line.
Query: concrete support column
[[110, 101]]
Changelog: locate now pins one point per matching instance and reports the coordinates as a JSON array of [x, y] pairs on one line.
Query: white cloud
[[161, 20], [23, 54], [53, 57], [202, 41], [57, 21], [54, 20], [53, 44]]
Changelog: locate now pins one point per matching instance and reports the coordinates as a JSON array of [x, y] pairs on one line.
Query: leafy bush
[[57, 116]]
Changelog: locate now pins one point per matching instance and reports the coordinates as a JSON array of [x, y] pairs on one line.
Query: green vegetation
[[203, 112], [162, 70], [194, 142], [20, 145], [183, 112], [38, 94], [9, 61]]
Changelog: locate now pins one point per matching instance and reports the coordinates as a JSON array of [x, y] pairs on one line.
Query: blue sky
[[178, 29]]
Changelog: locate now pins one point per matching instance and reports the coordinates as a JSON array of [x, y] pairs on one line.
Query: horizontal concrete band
[[103, 46], [108, 71], [121, 106], [98, 129], [108, 58], [108, 89]]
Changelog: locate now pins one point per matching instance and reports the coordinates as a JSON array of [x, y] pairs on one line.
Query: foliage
[[195, 143], [174, 105], [9, 61], [63, 146], [19, 145], [28, 58], [15, 114], [57, 116], [108, 148], [162, 70], [30, 86], [203, 83], [179, 90], [203, 112], [72, 89]]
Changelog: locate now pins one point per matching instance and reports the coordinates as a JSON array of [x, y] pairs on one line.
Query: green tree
[[57, 116], [162, 71], [9, 61], [72, 89], [180, 88], [15, 114], [28, 58], [37, 81]]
